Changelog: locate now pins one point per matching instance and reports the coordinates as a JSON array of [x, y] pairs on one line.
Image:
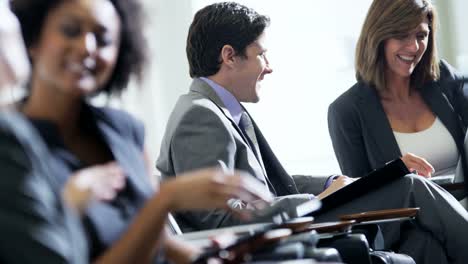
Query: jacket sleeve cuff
[[330, 180]]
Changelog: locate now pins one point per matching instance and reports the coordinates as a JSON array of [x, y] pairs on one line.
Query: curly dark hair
[[217, 25], [131, 59]]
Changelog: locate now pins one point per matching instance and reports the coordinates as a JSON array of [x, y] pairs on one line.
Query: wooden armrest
[[453, 186], [298, 224], [381, 214], [331, 227], [236, 253], [231, 249]]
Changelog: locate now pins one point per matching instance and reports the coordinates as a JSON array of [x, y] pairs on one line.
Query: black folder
[[372, 181]]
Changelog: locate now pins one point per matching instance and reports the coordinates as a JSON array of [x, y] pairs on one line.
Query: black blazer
[[35, 226], [124, 136], [361, 133]]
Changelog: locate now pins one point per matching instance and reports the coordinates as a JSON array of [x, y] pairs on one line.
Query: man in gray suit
[[209, 126]]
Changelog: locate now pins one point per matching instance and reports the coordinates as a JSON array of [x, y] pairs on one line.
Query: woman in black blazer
[[402, 87]]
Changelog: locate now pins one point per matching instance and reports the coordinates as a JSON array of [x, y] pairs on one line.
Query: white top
[[435, 144]]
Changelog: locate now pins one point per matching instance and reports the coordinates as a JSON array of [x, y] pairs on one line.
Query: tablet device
[[372, 181]]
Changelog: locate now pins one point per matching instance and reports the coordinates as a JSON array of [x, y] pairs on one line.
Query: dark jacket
[[105, 222], [360, 131], [35, 226]]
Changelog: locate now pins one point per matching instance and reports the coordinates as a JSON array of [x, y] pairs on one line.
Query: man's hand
[[213, 188], [336, 184]]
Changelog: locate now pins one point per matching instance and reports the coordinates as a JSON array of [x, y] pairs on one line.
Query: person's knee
[[410, 181], [415, 184]]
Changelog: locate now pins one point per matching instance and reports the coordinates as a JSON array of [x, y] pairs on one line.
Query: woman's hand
[[213, 188], [418, 164], [100, 182]]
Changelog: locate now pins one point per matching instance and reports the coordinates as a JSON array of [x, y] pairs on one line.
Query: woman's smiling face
[[403, 53], [78, 47]]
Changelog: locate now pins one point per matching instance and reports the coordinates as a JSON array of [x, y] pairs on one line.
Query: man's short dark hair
[[217, 25]]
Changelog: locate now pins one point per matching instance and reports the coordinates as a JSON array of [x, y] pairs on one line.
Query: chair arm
[[332, 227], [453, 186], [388, 214]]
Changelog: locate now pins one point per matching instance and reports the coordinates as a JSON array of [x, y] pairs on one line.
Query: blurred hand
[[213, 188], [14, 64], [100, 182], [336, 184], [418, 164]]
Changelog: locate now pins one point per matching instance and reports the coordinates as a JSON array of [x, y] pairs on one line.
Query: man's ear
[[228, 56]]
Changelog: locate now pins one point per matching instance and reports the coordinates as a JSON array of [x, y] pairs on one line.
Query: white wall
[[453, 32], [167, 77], [460, 9]]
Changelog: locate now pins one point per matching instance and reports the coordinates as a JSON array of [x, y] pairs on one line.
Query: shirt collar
[[228, 99]]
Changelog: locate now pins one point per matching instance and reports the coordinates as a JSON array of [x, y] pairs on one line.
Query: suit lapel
[[282, 182], [199, 86], [203, 88], [128, 156], [269, 172], [38, 153], [376, 121], [439, 104], [379, 127]]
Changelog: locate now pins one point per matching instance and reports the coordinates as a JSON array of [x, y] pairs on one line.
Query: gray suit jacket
[[202, 133], [360, 131], [35, 226]]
